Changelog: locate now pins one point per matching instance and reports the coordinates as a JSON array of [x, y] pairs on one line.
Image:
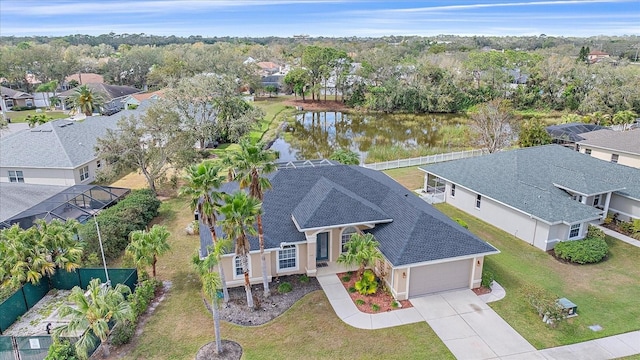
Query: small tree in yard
[[145, 246], [533, 133], [361, 250], [493, 125], [546, 304]]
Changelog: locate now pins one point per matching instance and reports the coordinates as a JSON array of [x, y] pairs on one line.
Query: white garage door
[[439, 277]]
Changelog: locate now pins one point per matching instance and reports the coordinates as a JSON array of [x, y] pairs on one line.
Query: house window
[[28, 103], [98, 164], [478, 201], [453, 190], [237, 266], [574, 232], [346, 236], [9, 103], [16, 176], [287, 257], [84, 173], [587, 151], [596, 200], [614, 158]]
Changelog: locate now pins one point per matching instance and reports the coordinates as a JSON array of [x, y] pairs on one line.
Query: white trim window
[[346, 235], [237, 266], [288, 258], [574, 231], [453, 190], [84, 173], [596, 200], [478, 201], [16, 176]]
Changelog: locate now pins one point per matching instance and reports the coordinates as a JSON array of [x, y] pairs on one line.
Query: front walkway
[[621, 237], [471, 329]]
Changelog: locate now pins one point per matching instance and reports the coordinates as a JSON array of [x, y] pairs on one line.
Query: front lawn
[[606, 293], [309, 330], [21, 116], [410, 177]]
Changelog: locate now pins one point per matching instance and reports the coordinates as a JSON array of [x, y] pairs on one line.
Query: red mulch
[[382, 298], [481, 290]]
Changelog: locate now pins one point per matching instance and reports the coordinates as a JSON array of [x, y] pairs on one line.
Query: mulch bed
[[231, 350], [381, 298], [481, 290]]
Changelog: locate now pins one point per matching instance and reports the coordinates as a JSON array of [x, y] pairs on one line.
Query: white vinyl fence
[[424, 160]]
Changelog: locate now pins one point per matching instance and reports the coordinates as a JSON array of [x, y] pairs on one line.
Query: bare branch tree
[[493, 124]]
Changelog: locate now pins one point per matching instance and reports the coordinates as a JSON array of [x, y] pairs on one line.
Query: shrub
[[375, 307], [594, 232], [546, 304], [487, 278], [368, 284], [461, 223], [122, 333], [304, 278], [142, 296], [360, 302], [626, 227], [284, 288], [586, 251], [61, 349], [352, 289], [395, 304], [346, 278]]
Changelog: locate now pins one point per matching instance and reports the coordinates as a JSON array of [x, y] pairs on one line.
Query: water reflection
[[314, 135]]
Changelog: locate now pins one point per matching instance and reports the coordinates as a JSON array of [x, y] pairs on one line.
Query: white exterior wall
[[41, 176], [605, 154], [626, 208]]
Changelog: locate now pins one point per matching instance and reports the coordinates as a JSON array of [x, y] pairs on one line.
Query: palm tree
[[211, 282], [247, 166], [200, 184], [48, 87], [84, 100], [240, 212], [361, 250], [624, 118], [146, 246], [60, 239], [92, 313], [23, 259]]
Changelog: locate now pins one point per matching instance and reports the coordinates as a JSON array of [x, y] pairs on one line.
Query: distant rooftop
[[623, 141], [571, 132]]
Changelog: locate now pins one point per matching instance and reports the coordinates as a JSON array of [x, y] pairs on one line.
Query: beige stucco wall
[[626, 208], [478, 265], [604, 154], [41, 176], [518, 224]]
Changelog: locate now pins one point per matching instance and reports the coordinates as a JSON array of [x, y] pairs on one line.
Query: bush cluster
[[22, 108], [132, 213], [591, 249], [284, 288], [61, 349], [139, 300]]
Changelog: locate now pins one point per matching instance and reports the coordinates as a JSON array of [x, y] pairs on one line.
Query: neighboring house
[[621, 147], [542, 194], [311, 212], [596, 56], [273, 80], [571, 133], [81, 78], [112, 95], [13, 98], [134, 100], [60, 152], [268, 68]]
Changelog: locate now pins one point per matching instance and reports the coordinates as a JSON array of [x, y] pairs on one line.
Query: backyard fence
[[28, 295], [31, 347], [424, 160]]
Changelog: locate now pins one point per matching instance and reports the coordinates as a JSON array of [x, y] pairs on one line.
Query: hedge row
[[591, 249], [132, 213]]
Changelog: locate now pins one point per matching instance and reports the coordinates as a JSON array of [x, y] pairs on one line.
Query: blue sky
[[331, 18]]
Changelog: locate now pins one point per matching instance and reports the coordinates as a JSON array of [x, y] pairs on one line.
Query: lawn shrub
[[123, 332], [375, 307], [487, 278], [346, 278], [61, 349], [395, 304], [368, 284], [284, 288], [352, 289], [546, 304], [461, 223], [132, 213], [303, 278], [585, 251], [360, 302], [142, 296]]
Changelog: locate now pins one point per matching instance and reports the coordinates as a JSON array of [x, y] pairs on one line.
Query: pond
[[314, 135]]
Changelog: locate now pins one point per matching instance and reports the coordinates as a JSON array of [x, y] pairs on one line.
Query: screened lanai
[[78, 202]]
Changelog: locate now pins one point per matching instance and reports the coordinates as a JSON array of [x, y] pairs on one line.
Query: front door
[[322, 249]]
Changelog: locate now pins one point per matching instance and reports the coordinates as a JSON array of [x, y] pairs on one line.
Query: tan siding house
[[621, 147]]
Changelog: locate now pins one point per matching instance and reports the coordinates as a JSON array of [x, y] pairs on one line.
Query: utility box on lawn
[[570, 308]]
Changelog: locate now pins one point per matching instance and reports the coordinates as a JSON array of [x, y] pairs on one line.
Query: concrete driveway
[[471, 329]]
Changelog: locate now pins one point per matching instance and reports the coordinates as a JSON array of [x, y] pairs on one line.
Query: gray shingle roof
[[59, 143], [109, 92], [418, 232], [14, 94], [529, 179], [624, 141], [17, 197]]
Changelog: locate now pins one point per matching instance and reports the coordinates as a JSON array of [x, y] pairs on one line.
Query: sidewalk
[[621, 237], [471, 329]]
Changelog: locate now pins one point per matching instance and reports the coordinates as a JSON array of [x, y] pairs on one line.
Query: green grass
[[272, 107], [410, 177], [21, 116], [309, 330], [606, 293]]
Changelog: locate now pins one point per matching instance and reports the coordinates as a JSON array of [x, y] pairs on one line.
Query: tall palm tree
[[248, 167], [23, 259], [201, 184], [146, 246], [60, 239], [48, 87], [240, 212], [92, 312], [211, 282], [85, 100]]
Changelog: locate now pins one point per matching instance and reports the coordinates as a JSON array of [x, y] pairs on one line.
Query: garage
[[429, 279]]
